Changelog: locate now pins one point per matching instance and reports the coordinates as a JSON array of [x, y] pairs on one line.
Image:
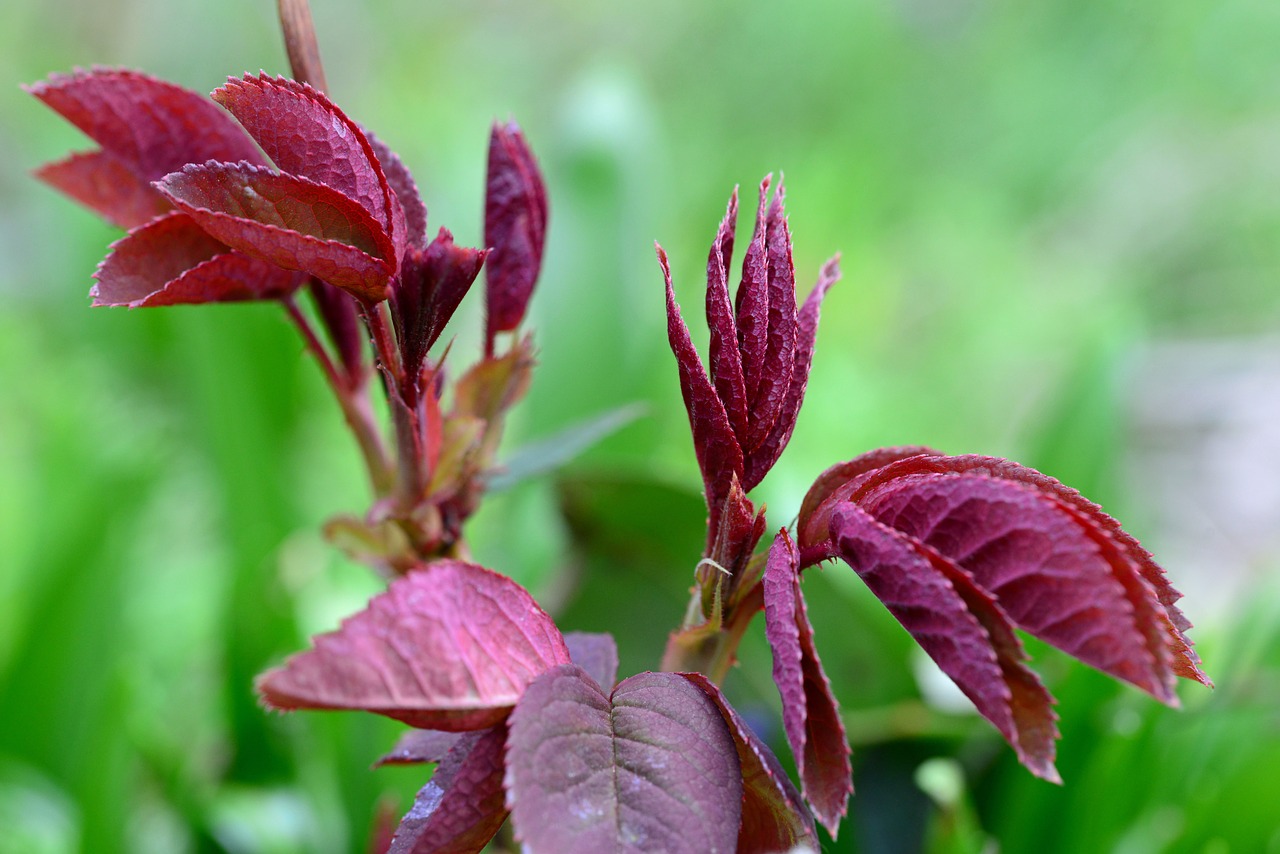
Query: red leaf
[[451, 646], [810, 715], [597, 654], [152, 126], [289, 221], [402, 184], [774, 818], [769, 389], [418, 746], [652, 768], [431, 285], [172, 261], [836, 484], [462, 807], [723, 357], [515, 224], [958, 625], [1164, 623], [718, 452], [761, 459], [103, 183], [306, 134], [751, 304]]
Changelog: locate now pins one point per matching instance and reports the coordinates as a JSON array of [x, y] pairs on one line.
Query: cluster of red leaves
[[961, 550], [270, 187]]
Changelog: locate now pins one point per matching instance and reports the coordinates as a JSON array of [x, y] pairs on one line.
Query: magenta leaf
[[774, 818], [406, 190], [172, 261], [106, 185], [959, 625], [515, 224], [810, 715], [307, 135], [449, 646], [768, 389], [597, 654], [288, 221], [751, 304], [418, 746], [714, 443], [652, 768], [462, 807], [151, 126]]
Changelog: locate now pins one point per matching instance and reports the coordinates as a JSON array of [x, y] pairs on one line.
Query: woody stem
[[300, 43]]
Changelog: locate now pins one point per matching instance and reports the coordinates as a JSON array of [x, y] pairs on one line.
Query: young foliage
[[270, 189]]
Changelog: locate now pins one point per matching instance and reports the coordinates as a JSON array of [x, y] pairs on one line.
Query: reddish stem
[[301, 44]]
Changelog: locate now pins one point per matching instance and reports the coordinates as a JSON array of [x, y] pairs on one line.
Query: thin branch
[[300, 43]]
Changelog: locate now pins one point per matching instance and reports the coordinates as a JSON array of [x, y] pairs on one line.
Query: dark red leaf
[[418, 746], [339, 312], [402, 184], [723, 358], [306, 134], [103, 183], [431, 285], [774, 818], [449, 646], [836, 484], [172, 261], [751, 304], [1133, 565], [718, 452], [810, 715], [1039, 562], [289, 221], [462, 807], [515, 224], [596, 653], [152, 126], [959, 625], [769, 390], [653, 768], [762, 458]]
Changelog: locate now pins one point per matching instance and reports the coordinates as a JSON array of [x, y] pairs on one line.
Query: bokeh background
[[1060, 230]]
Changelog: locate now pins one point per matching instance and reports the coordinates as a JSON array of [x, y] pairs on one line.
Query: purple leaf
[[718, 452], [960, 626], [774, 818], [723, 357], [462, 807], [288, 221], [151, 126], [809, 712], [654, 768], [449, 646], [515, 224], [305, 134], [597, 654], [172, 261], [418, 746], [106, 185], [836, 484], [762, 457]]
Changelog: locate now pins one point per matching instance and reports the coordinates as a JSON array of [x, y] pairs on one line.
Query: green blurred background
[[1059, 224]]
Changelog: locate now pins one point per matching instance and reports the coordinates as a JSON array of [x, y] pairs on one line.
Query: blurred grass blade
[[547, 455]]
